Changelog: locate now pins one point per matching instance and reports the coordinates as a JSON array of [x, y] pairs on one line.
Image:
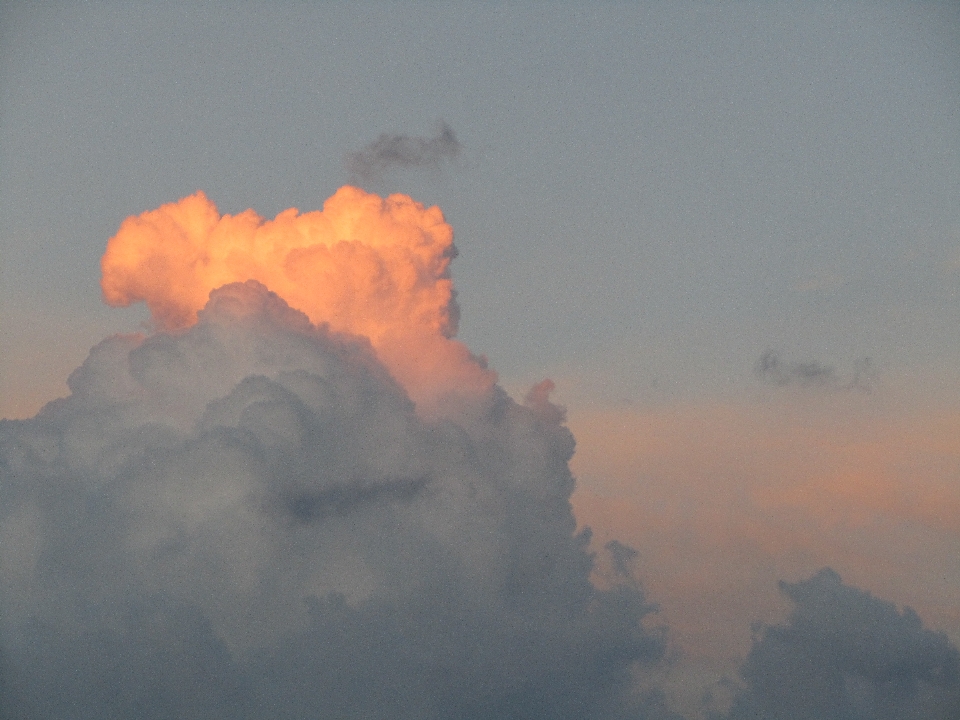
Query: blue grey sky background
[[649, 197]]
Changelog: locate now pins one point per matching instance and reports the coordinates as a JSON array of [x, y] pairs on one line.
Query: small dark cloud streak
[[341, 500], [403, 151], [771, 369]]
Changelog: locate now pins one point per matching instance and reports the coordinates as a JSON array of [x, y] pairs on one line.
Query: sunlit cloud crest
[[364, 265]]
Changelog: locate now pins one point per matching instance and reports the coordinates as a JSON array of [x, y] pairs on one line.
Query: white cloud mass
[[248, 519]]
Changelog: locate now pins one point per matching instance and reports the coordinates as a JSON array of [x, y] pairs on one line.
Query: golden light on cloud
[[365, 265]]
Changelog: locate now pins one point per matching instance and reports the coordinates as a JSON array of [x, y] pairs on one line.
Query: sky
[[728, 233]]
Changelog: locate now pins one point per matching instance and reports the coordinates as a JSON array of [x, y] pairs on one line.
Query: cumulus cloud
[[318, 503], [248, 518], [403, 151], [365, 265], [846, 654]]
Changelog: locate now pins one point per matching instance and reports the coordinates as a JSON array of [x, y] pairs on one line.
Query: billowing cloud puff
[[247, 519], [846, 654], [366, 265]]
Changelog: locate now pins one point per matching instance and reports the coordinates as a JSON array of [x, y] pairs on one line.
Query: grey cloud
[[403, 151], [339, 500], [771, 369], [248, 519], [846, 655], [621, 556]]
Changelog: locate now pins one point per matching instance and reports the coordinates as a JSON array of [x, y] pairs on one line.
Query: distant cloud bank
[[846, 654]]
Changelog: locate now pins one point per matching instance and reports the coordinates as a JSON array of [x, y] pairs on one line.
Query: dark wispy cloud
[[248, 519], [845, 654], [812, 374], [403, 151]]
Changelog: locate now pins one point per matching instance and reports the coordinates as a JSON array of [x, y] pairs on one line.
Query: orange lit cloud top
[[364, 265]]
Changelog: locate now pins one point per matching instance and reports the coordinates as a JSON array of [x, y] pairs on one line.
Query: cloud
[[247, 518], [771, 369], [846, 654], [403, 151], [365, 265], [311, 500], [722, 500]]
